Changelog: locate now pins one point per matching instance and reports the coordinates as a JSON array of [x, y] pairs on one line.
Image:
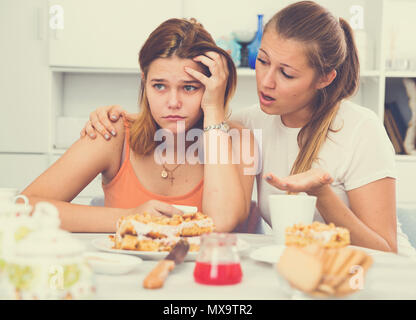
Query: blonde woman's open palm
[[310, 182]]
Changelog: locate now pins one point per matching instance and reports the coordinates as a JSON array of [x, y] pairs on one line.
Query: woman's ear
[[142, 76], [326, 80]]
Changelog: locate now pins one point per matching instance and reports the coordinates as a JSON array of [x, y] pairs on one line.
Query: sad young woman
[[136, 177]]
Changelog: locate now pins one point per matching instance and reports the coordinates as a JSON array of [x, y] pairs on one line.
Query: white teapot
[[47, 263], [10, 195], [14, 224]]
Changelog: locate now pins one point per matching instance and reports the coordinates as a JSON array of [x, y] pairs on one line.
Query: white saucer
[[268, 254], [111, 263]]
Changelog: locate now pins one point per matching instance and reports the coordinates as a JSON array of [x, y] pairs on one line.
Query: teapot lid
[[46, 215], [49, 242], [47, 239]]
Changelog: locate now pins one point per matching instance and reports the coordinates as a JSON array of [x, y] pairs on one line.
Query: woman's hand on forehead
[[216, 84]]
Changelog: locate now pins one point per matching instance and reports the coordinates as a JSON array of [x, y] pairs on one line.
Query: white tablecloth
[[390, 277]]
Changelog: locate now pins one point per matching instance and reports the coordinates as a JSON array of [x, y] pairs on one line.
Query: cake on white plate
[[324, 235], [146, 232]]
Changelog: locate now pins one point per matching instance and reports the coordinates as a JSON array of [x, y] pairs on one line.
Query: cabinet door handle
[[56, 20]]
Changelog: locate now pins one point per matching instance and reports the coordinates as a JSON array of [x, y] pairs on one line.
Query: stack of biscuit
[[323, 272]]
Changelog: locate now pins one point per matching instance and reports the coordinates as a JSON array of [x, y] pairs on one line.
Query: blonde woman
[[138, 174], [314, 139]]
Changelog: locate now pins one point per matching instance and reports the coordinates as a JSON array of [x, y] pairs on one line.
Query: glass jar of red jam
[[218, 262]]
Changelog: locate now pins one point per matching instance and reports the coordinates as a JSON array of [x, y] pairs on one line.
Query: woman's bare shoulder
[[108, 145], [106, 152], [114, 147]]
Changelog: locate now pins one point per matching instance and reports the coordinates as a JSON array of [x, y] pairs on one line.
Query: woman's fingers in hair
[[214, 62], [210, 63], [219, 59], [215, 56], [197, 75]]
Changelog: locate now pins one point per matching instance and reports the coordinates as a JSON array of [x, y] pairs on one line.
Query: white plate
[[268, 254], [111, 263], [186, 209], [271, 254], [105, 244]]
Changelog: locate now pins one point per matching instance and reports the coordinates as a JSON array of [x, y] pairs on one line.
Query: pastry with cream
[[325, 235], [146, 232]]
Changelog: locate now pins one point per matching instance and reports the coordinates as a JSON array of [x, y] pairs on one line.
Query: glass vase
[[254, 46]]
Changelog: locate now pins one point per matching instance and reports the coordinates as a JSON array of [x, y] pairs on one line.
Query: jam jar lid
[[220, 239], [218, 248]]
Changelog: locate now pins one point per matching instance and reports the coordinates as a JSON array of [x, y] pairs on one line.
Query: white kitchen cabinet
[[24, 76], [104, 34], [19, 170]]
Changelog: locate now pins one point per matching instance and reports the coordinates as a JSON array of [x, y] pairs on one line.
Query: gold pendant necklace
[[166, 173]]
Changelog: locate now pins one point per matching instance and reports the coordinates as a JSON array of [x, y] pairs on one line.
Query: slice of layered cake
[[146, 232]]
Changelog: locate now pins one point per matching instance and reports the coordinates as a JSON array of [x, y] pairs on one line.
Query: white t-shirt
[[359, 153]]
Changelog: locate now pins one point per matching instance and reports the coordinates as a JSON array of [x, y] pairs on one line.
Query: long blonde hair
[[329, 45], [186, 39]]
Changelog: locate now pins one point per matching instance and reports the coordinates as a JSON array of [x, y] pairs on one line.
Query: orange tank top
[[125, 190]]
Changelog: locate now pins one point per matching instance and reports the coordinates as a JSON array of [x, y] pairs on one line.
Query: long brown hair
[[330, 45], [186, 39]]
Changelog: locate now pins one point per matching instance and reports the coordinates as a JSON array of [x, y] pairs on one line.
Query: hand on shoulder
[[103, 119]]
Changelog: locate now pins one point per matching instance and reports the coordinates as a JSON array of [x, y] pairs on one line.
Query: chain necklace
[[168, 174]]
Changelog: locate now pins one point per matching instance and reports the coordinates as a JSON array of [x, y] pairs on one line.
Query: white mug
[[287, 210]]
